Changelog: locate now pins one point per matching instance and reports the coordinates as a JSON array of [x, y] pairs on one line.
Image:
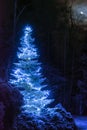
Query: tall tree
[[27, 75]]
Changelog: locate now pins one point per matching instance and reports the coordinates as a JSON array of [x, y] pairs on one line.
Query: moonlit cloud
[[80, 13]]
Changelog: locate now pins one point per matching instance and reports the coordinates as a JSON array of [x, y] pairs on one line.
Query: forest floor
[[81, 122]]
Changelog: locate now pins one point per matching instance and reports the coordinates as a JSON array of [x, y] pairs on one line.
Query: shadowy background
[[61, 43]]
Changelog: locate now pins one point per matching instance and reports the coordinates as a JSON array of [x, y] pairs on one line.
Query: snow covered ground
[[81, 122]]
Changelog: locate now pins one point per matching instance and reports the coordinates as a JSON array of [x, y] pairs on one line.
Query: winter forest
[[43, 65]]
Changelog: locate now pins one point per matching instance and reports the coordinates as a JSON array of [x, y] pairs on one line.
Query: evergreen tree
[[27, 75]]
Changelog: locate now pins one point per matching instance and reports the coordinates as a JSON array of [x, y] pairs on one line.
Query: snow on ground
[[81, 122]]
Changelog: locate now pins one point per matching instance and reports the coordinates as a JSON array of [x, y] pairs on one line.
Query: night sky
[[54, 37], [36, 14], [8, 45]]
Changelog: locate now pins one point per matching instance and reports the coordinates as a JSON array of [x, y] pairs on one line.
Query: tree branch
[[20, 13]]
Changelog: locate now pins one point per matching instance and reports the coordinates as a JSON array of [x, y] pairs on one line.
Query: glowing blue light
[[27, 75], [17, 71], [28, 29]]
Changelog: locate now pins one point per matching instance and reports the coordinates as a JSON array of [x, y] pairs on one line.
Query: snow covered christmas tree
[[27, 77]]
